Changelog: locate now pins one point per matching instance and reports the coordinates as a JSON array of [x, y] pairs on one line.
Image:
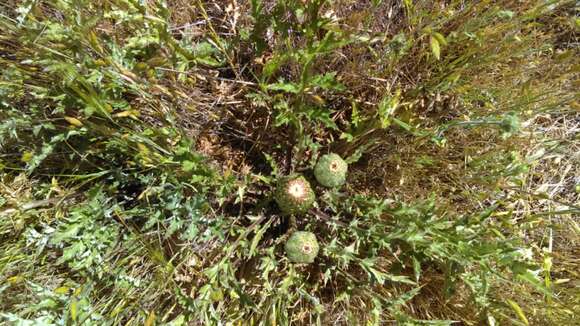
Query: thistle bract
[[330, 171], [294, 194], [302, 247]]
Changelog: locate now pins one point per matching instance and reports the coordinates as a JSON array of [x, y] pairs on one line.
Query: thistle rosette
[[302, 247], [330, 171], [294, 194]]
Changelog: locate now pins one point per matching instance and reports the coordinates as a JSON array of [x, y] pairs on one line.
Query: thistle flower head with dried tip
[[330, 171], [302, 247], [294, 194]]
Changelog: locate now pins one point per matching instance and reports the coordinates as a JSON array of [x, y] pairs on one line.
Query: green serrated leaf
[[284, 87], [435, 47], [258, 237], [387, 107], [327, 81]]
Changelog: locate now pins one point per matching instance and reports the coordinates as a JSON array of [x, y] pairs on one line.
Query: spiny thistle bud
[[330, 171], [294, 194], [510, 123], [302, 247]]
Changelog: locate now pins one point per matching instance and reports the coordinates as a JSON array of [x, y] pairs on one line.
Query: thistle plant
[[330, 171], [294, 194], [135, 139], [302, 247], [510, 124]]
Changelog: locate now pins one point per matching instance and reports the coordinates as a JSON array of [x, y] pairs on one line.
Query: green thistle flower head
[[330, 171], [294, 194], [510, 123], [302, 247]]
